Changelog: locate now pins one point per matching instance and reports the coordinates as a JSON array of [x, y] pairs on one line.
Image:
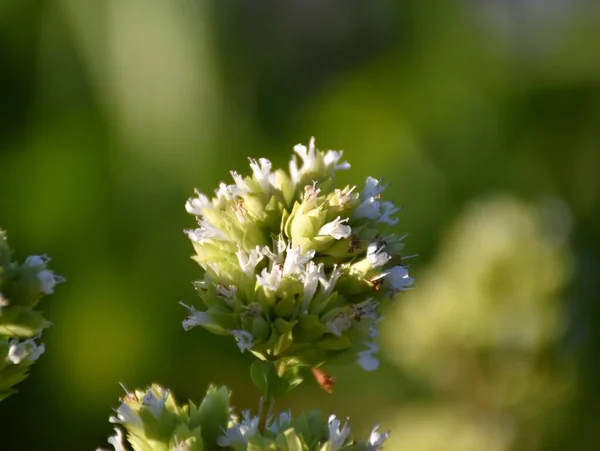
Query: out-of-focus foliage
[[112, 111], [485, 325]]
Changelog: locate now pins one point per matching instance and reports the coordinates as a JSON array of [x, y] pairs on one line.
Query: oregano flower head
[[295, 268], [22, 286]]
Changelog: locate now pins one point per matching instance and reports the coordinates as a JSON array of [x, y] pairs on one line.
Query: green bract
[[21, 288], [294, 268], [154, 422]]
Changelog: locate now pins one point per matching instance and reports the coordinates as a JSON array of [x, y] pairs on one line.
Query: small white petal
[[196, 318], [338, 325], [154, 403], [26, 349], [366, 358], [373, 188], [262, 173], [117, 440], [369, 208], [376, 439], [248, 261], [399, 278], [329, 284], [240, 188], [388, 211], [376, 255], [332, 157], [239, 433], [37, 260], [195, 205], [244, 339], [336, 229], [126, 415], [270, 280], [295, 260], [310, 278], [47, 281], [337, 437]]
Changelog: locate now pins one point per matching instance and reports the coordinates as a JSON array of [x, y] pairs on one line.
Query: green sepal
[[308, 329], [258, 443], [212, 415], [18, 321], [333, 343], [289, 441]]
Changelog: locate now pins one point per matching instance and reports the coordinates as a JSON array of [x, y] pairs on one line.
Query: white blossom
[[337, 437], [329, 283], [262, 173], [37, 260], [309, 159], [240, 188], [336, 229], [126, 415], [227, 292], [248, 261], [388, 211], [346, 195], [310, 278], [270, 280], [373, 188], [196, 318], [399, 278], [332, 157], [48, 280], [223, 195], [369, 208], [376, 439], [205, 232], [366, 359], [338, 325], [279, 246], [26, 349], [244, 339], [239, 433], [116, 441], [154, 403], [311, 192], [376, 254], [195, 205], [295, 260], [283, 422]]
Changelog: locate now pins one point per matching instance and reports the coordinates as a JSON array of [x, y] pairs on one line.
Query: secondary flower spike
[[22, 286], [295, 269]]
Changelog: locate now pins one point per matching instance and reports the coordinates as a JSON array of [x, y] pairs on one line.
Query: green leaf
[[308, 329], [333, 343], [212, 415], [16, 321]]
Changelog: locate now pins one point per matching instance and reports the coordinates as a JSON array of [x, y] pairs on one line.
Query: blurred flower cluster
[[485, 328], [22, 285]]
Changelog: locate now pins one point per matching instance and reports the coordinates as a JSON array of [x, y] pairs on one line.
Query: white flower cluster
[[240, 431], [291, 254]]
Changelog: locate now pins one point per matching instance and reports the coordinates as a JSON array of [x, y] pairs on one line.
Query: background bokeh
[[484, 116]]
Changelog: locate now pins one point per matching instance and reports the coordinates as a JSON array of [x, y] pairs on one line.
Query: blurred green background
[[484, 116]]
